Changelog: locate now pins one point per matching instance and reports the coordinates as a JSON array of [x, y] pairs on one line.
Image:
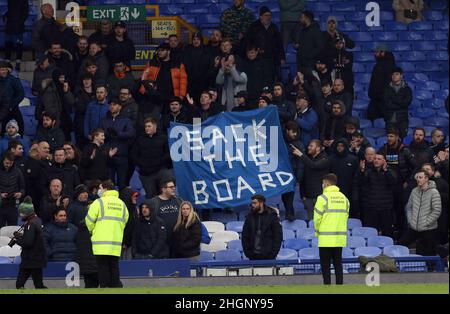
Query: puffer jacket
[[424, 208], [60, 241]]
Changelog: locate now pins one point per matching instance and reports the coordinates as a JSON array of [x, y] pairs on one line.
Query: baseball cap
[[242, 94], [120, 24]]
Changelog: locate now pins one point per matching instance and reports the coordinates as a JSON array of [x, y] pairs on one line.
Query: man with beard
[[334, 126], [306, 119], [437, 142], [103, 34], [81, 53], [332, 33], [129, 106], [339, 93], [176, 114], [215, 39], [342, 62], [98, 57], [63, 60], [120, 78], [96, 110]]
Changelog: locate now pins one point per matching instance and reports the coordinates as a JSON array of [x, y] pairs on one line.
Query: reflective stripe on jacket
[[106, 220], [330, 218]]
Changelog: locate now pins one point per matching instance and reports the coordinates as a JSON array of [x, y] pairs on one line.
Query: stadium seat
[[235, 226], [206, 256], [228, 256], [380, 241], [315, 242], [420, 77], [421, 26], [309, 253], [438, 56], [365, 124], [294, 225], [353, 223], [296, 244], [410, 36], [359, 68], [356, 16], [5, 260], [348, 27], [354, 242], [385, 36], [286, 254], [8, 231], [371, 141], [307, 233], [374, 132], [17, 260], [407, 66], [423, 95], [400, 46], [368, 251], [414, 56], [365, 232], [437, 35], [441, 94], [214, 226], [395, 26], [347, 252], [423, 113], [4, 241], [437, 123], [424, 46], [223, 216], [235, 245], [415, 122], [311, 224], [225, 236], [288, 234], [396, 251], [360, 104], [213, 247], [318, 7], [10, 251], [429, 86], [379, 123]]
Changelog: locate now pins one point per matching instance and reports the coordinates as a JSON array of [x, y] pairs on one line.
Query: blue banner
[[223, 161]]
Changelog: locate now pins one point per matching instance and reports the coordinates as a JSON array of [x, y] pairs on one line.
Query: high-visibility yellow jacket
[[106, 220], [330, 218]]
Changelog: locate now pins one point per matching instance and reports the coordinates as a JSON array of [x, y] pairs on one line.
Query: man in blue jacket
[[96, 111], [13, 93], [307, 120], [119, 134]]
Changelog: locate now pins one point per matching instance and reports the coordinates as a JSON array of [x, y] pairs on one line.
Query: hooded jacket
[[149, 235], [381, 76], [396, 101], [345, 166], [308, 124], [101, 61], [13, 91], [60, 241], [315, 169], [120, 50], [424, 208]]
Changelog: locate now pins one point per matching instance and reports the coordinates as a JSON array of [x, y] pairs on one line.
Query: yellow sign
[[163, 28]]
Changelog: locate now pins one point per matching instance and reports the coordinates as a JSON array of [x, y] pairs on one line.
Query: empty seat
[[415, 122], [379, 123], [319, 7], [294, 225], [284, 254], [407, 66], [360, 105], [347, 252], [5, 260], [206, 256], [365, 232], [214, 246], [437, 122], [438, 56], [371, 141], [414, 56], [311, 224], [354, 242], [429, 86], [423, 94], [8, 231], [410, 36], [363, 56], [10, 251], [380, 241], [296, 244], [421, 26], [344, 7], [441, 94], [437, 35], [365, 124], [214, 226], [368, 251], [353, 223], [288, 234], [235, 245], [395, 26], [400, 46], [396, 251], [356, 16], [309, 253], [424, 46], [4, 241], [423, 113], [307, 233], [420, 77], [228, 256], [348, 27], [375, 132], [315, 242], [225, 236], [359, 68], [235, 226], [385, 36]]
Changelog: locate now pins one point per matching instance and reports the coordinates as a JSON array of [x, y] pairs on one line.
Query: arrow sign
[[135, 14], [116, 12]]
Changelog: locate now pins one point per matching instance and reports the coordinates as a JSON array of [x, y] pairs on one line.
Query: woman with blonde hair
[[187, 233]]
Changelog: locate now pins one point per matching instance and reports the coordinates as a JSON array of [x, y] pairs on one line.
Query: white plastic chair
[[10, 251], [225, 236], [213, 247], [214, 226], [8, 231]]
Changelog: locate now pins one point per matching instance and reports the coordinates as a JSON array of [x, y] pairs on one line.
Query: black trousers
[[108, 271], [288, 201], [8, 216], [25, 273], [381, 220], [327, 254], [426, 241], [91, 280]]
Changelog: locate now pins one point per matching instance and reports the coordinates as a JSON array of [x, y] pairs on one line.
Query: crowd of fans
[[97, 122]]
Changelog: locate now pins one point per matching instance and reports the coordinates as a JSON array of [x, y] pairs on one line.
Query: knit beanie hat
[[13, 123], [263, 10], [26, 207]]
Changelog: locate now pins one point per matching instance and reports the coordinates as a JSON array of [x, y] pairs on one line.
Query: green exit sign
[[117, 13]]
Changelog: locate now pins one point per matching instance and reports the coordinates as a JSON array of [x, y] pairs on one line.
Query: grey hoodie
[[424, 208]]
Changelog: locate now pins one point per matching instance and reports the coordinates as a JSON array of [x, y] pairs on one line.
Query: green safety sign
[[117, 13]]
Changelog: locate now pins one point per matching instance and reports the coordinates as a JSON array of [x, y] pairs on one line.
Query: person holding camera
[[33, 256], [12, 188]]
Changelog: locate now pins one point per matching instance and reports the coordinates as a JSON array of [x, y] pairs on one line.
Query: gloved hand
[[17, 234]]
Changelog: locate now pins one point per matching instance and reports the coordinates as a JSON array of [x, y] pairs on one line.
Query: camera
[[12, 242]]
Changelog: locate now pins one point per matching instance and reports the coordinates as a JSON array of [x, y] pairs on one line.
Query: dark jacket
[[65, 63], [315, 169], [101, 61], [11, 181], [84, 255], [330, 41], [311, 44], [32, 172], [77, 211], [267, 39], [308, 124], [96, 168], [381, 184], [37, 43], [48, 208], [396, 103], [381, 76], [345, 166], [151, 154], [13, 91], [16, 16], [116, 81], [149, 236], [259, 74], [32, 242], [341, 61], [399, 159], [271, 235], [186, 241], [66, 173], [130, 109], [126, 195], [197, 62], [54, 136], [346, 98], [120, 51], [421, 154], [286, 109], [60, 241], [39, 76], [82, 99], [119, 132], [182, 117], [298, 168], [334, 127]]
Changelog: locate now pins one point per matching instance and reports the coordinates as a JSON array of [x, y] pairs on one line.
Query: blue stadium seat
[[363, 78], [400, 46], [359, 87], [360, 36], [408, 139], [419, 77], [441, 94], [365, 124], [311, 224], [235, 226], [356, 16], [294, 225], [296, 244], [368, 251], [363, 56], [347, 252], [360, 105], [5, 260], [438, 56], [437, 104], [318, 7], [410, 36], [206, 256], [208, 18], [353, 223], [407, 66], [429, 86], [348, 27], [439, 26], [314, 242], [396, 251], [374, 132], [379, 123], [235, 245], [385, 36], [395, 26], [421, 26], [424, 46], [380, 241], [288, 234], [228, 256], [365, 232], [354, 242], [170, 9], [441, 77], [437, 123], [359, 68], [344, 7], [286, 254], [309, 253], [423, 95], [437, 35], [414, 56], [423, 113], [372, 141], [17, 260], [307, 233], [433, 15], [438, 4], [415, 122]]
